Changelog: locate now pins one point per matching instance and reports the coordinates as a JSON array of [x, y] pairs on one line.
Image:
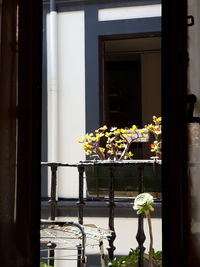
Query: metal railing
[[81, 166]]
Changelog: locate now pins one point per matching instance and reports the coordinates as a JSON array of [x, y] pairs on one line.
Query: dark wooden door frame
[[7, 131], [175, 212], [20, 147]]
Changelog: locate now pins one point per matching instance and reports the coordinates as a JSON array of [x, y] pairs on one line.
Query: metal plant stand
[[63, 236], [70, 236]]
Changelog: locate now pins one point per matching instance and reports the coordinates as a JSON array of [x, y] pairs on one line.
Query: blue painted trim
[[102, 3], [63, 6], [130, 26], [52, 5], [92, 69]]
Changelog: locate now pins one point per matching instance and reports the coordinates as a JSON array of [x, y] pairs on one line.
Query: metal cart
[[69, 238]]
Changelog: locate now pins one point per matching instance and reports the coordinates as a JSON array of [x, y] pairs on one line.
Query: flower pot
[[126, 180]]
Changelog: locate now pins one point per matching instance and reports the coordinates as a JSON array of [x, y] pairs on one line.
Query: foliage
[[126, 261], [115, 143], [157, 257], [143, 202], [156, 129], [131, 260], [111, 144]]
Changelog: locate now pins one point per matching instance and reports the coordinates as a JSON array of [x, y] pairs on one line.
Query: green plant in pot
[[114, 145], [131, 260], [143, 203]]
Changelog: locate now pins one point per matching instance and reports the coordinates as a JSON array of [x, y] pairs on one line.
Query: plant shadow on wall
[[116, 145], [143, 203]]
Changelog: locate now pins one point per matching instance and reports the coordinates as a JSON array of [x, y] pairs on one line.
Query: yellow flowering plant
[[112, 143], [156, 129]]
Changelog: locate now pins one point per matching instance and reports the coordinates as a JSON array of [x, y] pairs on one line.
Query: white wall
[[126, 231], [131, 12], [71, 97]]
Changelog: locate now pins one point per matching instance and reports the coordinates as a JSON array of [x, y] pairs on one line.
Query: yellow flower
[[99, 135], [133, 128], [108, 134], [119, 141], [159, 119], [113, 129], [121, 146], [129, 155], [103, 128], [88, 152], [88, 136], [117, 132]]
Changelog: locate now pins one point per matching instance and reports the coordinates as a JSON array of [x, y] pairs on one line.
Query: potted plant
[[115, 145], [143, 203]]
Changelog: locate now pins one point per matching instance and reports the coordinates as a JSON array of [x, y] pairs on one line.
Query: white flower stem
[[150, 264]]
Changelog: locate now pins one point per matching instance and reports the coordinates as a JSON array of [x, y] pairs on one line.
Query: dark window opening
[[123, 92], [131, 83]]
